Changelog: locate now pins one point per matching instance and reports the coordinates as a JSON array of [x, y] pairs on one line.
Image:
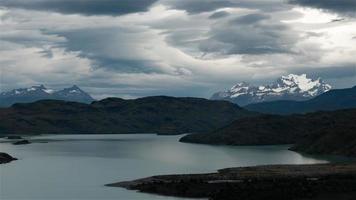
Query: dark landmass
[[340, 140], [166, 115], [329, 101], [324, 182], [331, 132], [21, 142], [6, 158]]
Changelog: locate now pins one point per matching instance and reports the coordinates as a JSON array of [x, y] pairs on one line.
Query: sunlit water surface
[[78, 166]]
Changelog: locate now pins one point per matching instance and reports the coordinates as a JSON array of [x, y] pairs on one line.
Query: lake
[[78, 166]]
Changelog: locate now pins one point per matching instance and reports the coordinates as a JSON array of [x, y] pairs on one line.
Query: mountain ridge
[[40, 92], [332, 100], [290, 87], [160, 114]]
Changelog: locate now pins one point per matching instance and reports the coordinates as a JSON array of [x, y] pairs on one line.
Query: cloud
[[172, 47], [219, 14], [116, 49], [198, 6], [249, 19], [84, 7], [249, 34], [343, 7], [330, 72]]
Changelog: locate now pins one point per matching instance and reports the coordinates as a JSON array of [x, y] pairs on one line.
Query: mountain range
[[164, 115], [331, 100], [322, 125], [35, 93], [291, 87]]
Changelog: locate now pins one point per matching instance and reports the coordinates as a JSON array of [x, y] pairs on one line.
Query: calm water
[[78, 166]]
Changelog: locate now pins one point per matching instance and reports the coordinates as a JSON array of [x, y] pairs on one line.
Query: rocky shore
[[321, 182], [6, 158]]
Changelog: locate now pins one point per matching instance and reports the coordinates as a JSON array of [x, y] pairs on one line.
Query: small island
[[6, 158], [21, 142]]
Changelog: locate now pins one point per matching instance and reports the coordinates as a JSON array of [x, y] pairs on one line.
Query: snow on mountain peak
[[302, 82], [40, 88], [290, 87], [74, 90]]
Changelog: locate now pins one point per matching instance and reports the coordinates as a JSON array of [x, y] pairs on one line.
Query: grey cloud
[[344, 7], [198, 6], [248, 35], [84, 7], [330, 72], [219, 14], [110, 48], [339, 76], [249, 19], [29, 38]]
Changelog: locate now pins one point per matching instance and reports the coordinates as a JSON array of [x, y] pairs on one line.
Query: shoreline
[[318, 181]]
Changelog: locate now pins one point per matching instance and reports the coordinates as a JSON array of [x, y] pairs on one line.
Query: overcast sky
[[135, 48]]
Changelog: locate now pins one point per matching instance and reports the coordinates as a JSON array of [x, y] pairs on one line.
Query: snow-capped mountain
[[73, 93], [35, 93], [291, 87]]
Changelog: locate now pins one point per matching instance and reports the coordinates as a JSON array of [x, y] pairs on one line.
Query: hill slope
[[320, 132], [147, 115], [332, 100]]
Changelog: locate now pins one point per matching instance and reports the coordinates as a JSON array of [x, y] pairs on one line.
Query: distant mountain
[[332, 100], [73, 93], [35, 93], [331, 132], [164, 115], [291, 87]]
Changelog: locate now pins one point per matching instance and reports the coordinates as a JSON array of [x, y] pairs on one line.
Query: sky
[[136, 48]]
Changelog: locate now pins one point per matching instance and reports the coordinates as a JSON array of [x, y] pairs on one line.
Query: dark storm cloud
[[330, 72], [345, 7], [249, 19], [84, 7], [250, 34], [219, 14]]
